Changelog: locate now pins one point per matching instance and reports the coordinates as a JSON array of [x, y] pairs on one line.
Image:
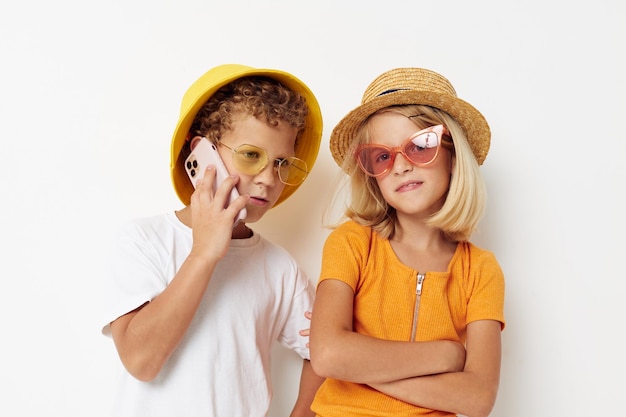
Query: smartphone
[[204, 154]]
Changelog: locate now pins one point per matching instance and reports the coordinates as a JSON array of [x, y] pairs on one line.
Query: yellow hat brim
[[203, 88]]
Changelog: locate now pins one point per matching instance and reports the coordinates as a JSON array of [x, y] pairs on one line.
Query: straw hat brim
[[203, 88], [469, 118]]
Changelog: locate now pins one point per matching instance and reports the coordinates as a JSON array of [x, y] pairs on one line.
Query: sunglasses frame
[[267, 161], [440, 130]]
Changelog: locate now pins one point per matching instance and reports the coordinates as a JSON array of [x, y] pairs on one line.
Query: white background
[[89, 97]]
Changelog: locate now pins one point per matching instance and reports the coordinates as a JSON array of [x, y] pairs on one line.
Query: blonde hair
[[464, 204]]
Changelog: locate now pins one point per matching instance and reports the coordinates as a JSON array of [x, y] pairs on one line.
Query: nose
[[268, 176], [401, 164]]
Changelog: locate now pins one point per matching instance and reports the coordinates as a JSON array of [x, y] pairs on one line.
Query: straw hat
[[203, 88], [420, 86]]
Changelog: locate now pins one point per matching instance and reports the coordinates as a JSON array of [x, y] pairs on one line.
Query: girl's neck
[[417, 234], [422, 247]]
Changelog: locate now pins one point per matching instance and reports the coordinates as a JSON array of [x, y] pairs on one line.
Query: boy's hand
[[211, 222]]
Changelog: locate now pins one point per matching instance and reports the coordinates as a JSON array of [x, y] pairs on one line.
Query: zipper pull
[[420, 281]]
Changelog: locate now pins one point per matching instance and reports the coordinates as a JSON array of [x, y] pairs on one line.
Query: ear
[[194, 142]]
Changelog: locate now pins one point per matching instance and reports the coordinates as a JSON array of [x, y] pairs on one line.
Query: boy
[[195, 300]]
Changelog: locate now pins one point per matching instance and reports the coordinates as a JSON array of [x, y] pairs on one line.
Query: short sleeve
[[486, 301], [345, 253], [134, 276]]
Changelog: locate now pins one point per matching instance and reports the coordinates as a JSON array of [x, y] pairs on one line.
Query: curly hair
[[465, 202], [261, 97]]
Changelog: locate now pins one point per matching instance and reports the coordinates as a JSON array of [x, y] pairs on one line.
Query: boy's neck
[[241, 231]]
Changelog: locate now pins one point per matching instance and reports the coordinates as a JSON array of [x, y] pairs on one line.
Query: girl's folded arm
[[471, 392], [337, 351]]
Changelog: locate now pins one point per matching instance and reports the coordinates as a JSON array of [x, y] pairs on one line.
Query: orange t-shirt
[[386, 306]]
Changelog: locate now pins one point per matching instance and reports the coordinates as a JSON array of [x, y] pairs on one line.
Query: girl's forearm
[[362, 359]]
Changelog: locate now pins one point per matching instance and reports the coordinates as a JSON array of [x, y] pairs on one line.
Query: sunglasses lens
[[292, 171], [374, 160], [249, 159], [422, 148]]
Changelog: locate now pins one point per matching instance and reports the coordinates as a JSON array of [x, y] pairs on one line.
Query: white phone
[[203, 154]]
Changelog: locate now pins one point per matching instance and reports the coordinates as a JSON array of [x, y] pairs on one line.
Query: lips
[[258, 201], [409, 185]]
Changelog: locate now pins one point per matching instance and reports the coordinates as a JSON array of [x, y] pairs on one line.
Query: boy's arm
[[471, 392], [339, 352], [309, 383], [146, 337]]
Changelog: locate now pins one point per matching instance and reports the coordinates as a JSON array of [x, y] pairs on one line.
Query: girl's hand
[[306, 332]]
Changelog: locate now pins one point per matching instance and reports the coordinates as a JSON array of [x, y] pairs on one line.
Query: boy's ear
[[194, 142]]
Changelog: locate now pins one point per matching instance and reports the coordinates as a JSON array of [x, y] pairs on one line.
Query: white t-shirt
[[257, 295]]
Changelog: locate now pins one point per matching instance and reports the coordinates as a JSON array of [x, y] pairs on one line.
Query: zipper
[[418, 293]]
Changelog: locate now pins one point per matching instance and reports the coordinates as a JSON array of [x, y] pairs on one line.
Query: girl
[[408, 313]]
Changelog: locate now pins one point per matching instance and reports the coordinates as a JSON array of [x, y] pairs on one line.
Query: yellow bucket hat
[[203, 88]]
